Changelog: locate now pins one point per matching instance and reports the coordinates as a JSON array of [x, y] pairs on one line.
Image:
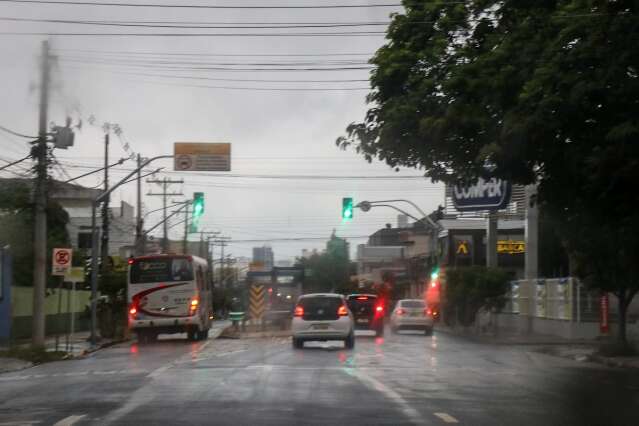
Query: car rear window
[[356, 303], [412, 304], [320, 308]]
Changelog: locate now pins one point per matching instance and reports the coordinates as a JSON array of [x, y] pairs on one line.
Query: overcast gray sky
[[133, 81]]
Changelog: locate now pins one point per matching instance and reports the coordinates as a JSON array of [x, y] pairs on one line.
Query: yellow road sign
[[200, 156], [462, 247], [257, 303]]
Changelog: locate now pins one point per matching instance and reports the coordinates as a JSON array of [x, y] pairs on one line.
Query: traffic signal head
[[198, 204], [347, 208]]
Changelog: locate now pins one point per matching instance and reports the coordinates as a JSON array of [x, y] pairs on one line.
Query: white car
[[322, 316], [412, 314]]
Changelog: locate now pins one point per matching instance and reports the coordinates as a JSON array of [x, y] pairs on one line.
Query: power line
[[14, 133], [15, 162], [198, 6], [138, 53], [259, 89], [187, 77], [198, 25], [287, 34]]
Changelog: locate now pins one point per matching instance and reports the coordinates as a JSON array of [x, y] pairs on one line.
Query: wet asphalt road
[[401, 379]]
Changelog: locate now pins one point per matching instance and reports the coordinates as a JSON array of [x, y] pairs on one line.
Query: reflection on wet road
[[398, 379]]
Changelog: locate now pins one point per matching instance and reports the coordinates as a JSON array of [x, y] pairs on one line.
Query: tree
[[469, 289], [16, 227], [326, 272], [538, 92]]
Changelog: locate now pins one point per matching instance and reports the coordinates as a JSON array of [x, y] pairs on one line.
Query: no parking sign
[[61, 261]]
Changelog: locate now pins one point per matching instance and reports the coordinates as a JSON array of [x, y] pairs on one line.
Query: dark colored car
[[368, 311]]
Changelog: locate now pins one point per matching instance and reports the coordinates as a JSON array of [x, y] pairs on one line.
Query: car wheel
[[297, 343], [143, 337], [349, 342], [428, 331]]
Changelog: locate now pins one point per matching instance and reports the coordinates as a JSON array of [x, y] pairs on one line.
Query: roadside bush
[[469, 289], [112, 305]]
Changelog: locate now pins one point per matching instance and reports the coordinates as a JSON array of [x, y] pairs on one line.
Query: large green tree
[[538, 91], [16, 227]]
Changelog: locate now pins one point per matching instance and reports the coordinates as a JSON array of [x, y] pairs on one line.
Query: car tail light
[[299, 311], [400, 311], [379, 309], [362, 298], [428, 312], [342, 311], [133, 310]]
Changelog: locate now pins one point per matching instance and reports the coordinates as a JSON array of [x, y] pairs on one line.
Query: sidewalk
[[580, 350], [509, 338]]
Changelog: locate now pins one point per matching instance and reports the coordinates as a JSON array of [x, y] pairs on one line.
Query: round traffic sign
[[183, 162], [62, 257]]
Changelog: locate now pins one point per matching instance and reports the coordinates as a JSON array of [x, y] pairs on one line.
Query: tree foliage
[[539, 92], [470, 288], [326, 272], [16, 228]]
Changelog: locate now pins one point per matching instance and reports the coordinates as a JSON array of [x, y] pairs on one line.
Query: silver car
[[412, 314]]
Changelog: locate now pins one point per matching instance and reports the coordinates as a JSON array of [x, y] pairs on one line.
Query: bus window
[[153, 270]]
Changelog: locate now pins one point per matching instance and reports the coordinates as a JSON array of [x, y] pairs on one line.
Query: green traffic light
[[198, 204], [347, 208]]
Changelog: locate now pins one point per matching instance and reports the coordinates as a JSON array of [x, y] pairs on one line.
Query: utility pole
[[185, 242], [105, 205], [40, 227], [138, 222], [164, 194]]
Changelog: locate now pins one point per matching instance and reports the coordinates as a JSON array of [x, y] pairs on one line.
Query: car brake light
[[400, 311], [342, 311], [379, 309], [362, 298], [194, 302], [299, 311], [133, 310], [428, 311]]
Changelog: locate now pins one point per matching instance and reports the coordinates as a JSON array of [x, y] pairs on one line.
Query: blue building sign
[[492, 194]]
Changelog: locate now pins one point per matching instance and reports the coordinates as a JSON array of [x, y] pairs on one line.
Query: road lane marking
[[446, 417], [408, 411], [20, 423], [70, 421]]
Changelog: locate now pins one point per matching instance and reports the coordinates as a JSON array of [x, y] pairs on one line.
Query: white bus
[[169, 294]]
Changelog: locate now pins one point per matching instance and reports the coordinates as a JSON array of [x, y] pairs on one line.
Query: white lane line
[[446, 417], [70, 421], [20, 423], [408, 411]]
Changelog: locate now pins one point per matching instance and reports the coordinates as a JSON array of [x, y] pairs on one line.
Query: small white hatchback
[[412, 314], [322, 316]]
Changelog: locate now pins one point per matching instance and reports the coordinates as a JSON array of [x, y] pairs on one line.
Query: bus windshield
[[154, 270]]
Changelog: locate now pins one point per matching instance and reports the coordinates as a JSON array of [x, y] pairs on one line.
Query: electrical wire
[[146, 52], [13, 163], [14, 133], [121, 34], [196, 25], [202, 6]]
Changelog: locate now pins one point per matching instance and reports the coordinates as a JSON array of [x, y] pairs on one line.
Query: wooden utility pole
[[104, 250], [40, 227], [164, 194], [138, 222]]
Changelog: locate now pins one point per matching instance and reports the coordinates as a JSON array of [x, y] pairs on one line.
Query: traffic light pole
[[95, 247], [185, 242]]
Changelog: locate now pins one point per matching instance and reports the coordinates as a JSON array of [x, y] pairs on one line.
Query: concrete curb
[[19, 365]]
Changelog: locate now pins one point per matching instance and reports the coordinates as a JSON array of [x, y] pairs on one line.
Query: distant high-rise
[[263, 255]]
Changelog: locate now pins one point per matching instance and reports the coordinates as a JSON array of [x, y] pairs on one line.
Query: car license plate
[[415, 314], [320, 326], [362, 321]]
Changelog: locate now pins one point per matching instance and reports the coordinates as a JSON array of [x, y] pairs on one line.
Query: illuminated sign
[[511, 247]]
